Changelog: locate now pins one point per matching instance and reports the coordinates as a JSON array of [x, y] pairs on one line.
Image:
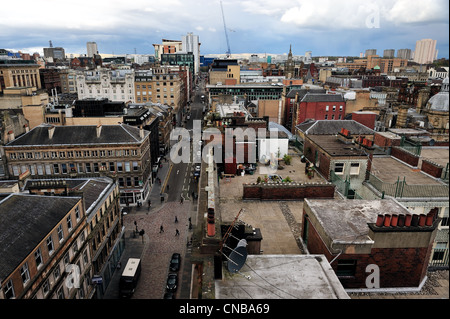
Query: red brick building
[[365, 118], [319, 107], [359, 235]]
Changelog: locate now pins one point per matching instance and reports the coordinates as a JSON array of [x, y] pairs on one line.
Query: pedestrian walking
[[177, 233], [181, 199], [176, 219], [161, 229], [167, 186]]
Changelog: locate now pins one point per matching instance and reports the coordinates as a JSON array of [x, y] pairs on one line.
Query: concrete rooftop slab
[[281, 277], [389, 169]]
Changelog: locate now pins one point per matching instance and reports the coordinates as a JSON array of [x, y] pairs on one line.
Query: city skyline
[[323, 26]]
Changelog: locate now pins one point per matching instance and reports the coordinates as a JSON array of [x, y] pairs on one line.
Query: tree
[[287, 159]]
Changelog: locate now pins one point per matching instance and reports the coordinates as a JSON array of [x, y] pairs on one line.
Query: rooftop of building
[[335, 147], [346, 220], [91, 188], [438, 155], [303, 277], [332, 127], [390, 170], [25, 220], [80, 135], [320, 97]]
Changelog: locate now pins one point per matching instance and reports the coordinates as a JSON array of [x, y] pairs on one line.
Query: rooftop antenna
[[51, 44]]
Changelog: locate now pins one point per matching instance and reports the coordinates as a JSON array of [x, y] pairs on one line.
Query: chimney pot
[[422, 220], [380, 220], [401, 220], [415, 220], [430, 219], [408, 219], [394, 220], [387, 220]]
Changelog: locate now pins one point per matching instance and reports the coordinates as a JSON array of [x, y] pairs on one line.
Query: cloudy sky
[[325, 27]]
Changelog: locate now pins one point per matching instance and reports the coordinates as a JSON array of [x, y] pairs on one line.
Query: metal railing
[[401, 189], [343, 187]]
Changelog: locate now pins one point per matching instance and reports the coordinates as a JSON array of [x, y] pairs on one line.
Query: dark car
[[169, 295], [175, 262], [172, 283]]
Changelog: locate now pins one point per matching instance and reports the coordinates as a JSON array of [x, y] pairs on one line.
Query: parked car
[[169, 295], [172, 283], [175, 262]]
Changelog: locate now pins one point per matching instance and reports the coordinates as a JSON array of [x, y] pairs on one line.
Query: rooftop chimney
[[99, 130], [141, 132], [51, 131]]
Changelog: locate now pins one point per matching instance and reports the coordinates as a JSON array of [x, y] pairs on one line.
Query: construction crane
[[226, 34]]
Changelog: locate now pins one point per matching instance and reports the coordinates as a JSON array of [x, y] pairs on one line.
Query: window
[[127, 166], [111, 167], [341, 108], [38, 257], [60, 233], [339, 168], [136, 181], [334, 108], [96, 167], [50, 246], [354, 169], [346, 267], [80, 167], [24, 273], [128, 181], [88, 168], [69, 222], [327, 108], [55, 168], [60, 293], [45, 288], [439, 250], [9, 290], [77, 213], [135, 166], [119, 166], [64, 168], [121, 182], [57, 272]]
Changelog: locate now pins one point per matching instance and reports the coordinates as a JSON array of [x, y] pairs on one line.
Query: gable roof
[[332, 127], [80, 134]]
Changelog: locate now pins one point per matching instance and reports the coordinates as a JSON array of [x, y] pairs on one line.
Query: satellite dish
[[237, 259], [242, 243]]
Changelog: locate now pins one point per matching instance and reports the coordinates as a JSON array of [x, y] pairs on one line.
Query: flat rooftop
[[281, 277], [439, 155], [346, 220], [335, 147], [389, 169]]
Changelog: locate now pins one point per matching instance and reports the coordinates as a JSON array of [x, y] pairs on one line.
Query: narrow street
[[169, 200]]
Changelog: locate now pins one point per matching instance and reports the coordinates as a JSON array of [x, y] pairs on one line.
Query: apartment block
[[425, 51]]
